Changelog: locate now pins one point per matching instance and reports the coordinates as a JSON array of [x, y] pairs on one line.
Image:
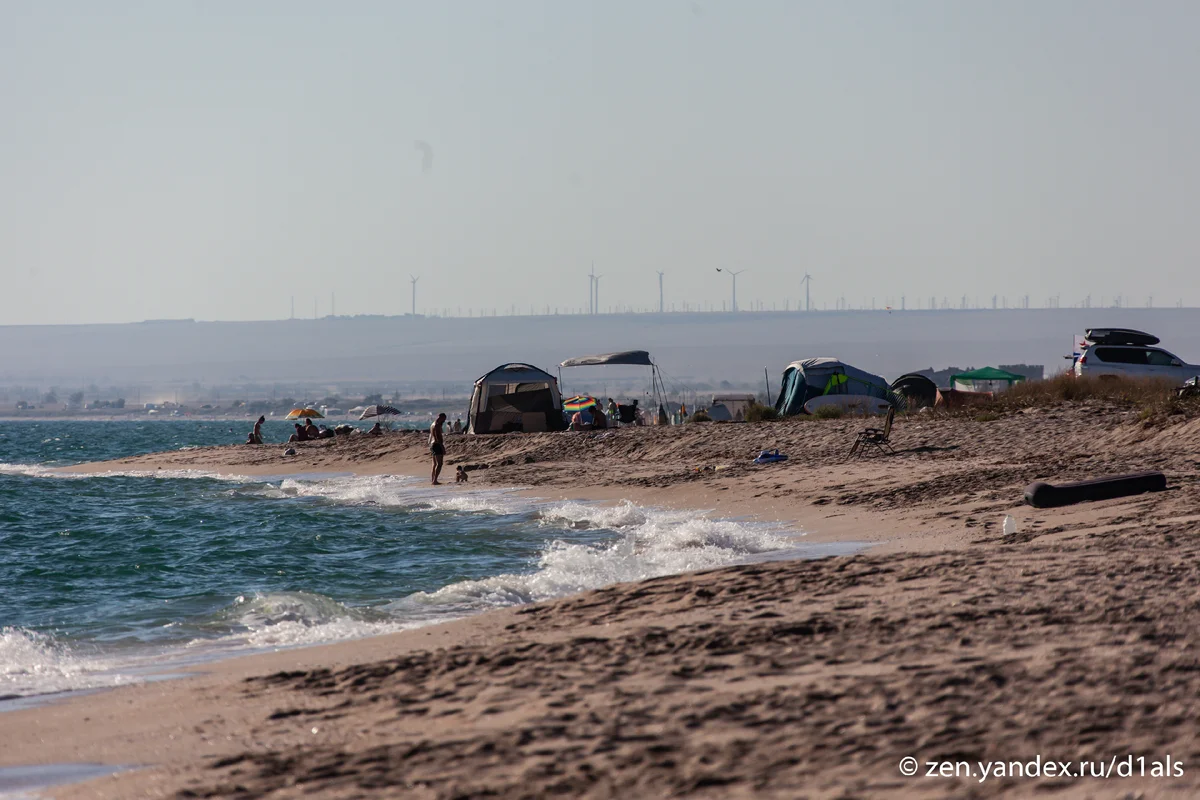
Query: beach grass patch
[[1066, 388], [1155, 399], [761, 413], [829, 412]]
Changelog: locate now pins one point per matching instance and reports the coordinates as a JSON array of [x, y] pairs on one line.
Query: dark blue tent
[[815, 377]]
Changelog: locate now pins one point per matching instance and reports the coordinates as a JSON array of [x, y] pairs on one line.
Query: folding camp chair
[[875, 437], [627, 415]]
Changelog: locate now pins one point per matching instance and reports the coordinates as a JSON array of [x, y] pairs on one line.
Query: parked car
[[1131, 354]]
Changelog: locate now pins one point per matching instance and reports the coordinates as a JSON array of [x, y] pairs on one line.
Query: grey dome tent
[[814, 377], [515, 397]]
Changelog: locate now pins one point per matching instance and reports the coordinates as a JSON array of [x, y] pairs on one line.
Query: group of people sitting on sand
[[309, 432], [304, 433], [589, 419]]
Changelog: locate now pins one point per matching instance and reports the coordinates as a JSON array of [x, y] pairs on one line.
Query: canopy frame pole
[[658, 389]]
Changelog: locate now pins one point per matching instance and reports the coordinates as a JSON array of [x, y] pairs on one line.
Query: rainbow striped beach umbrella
[[579, 402]]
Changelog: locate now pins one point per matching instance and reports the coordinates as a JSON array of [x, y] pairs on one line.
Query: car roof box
[[1120, 336]]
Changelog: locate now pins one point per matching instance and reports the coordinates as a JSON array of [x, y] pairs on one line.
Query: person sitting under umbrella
[[311, 429], [581, 420]]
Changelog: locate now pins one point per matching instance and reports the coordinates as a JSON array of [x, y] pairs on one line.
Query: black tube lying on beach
[[1045, 495]]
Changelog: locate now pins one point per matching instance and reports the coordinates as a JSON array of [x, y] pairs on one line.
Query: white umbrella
[[378, 411]]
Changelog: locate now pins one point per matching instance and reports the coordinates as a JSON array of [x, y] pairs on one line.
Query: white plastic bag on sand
[[1010, 525]]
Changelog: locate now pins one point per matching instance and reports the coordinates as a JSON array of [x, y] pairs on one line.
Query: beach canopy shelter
[[918, 391], [637, 358], [815, 377], [516, 397], [985, 379]]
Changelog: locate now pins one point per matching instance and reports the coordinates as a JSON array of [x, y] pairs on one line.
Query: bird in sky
[[426, 155]]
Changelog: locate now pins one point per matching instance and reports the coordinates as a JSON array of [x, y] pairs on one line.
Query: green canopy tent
[[984, 379]]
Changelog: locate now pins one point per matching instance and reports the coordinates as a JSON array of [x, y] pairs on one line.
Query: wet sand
[[1074, 639]]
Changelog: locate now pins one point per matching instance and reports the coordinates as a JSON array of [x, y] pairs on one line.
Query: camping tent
[[918, 391], [731, 406], [814, 377], [985, 379], [515, 397]]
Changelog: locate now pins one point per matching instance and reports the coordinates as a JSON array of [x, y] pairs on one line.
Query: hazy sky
[[211, 159]]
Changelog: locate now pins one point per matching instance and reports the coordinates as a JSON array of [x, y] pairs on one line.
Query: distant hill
[[692, 347]]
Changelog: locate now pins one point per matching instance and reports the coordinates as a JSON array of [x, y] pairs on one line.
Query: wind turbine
[[596, 293], [734, 274], [806, 280], [415, 278], [660, 292]]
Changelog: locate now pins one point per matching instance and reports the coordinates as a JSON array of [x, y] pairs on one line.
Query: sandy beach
[[1072, 640]]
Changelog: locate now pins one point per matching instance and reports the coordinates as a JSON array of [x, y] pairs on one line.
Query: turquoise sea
[[110, 578]]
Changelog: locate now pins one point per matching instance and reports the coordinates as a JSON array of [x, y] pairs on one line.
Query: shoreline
[[769, 679], [403, 453], [176, 662]]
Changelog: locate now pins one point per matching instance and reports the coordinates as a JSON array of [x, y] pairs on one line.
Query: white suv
[[1113, 352]]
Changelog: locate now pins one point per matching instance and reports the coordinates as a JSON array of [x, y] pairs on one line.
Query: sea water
[[107, 579]]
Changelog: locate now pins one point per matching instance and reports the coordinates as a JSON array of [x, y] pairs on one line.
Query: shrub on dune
[[761, 413]]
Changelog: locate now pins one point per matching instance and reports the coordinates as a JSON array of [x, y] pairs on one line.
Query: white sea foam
[[41, 471], [650, 543], [398, 491], [591, 515], [34, 663], [32, 470], [290, 619]]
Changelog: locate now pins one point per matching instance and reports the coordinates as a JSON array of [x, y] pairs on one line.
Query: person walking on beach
[[437, 446], [258, 430]]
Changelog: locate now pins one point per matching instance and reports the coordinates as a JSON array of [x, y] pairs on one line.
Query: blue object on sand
[[770, 457]]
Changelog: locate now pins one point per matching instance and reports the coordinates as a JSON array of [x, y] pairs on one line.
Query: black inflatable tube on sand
[[1045, 495]]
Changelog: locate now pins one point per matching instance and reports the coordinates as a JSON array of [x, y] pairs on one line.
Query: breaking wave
[[36, 663], [650, 543]]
